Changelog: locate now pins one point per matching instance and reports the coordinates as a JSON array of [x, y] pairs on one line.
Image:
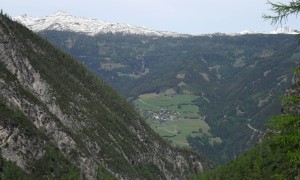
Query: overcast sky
[[183, 16]]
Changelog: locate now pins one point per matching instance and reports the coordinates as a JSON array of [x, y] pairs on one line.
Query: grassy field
[[173, 117]]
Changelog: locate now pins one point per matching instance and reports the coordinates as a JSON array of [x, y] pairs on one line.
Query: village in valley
[[173, 116]]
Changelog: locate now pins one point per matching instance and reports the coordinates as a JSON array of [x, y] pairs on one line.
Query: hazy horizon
[[188, 17]]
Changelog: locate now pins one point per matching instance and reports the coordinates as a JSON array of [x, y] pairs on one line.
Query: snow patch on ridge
[[281, 30], [62, 21]]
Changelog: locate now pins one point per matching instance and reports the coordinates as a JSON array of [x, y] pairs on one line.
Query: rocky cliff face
[[59, 104], [291, 104]]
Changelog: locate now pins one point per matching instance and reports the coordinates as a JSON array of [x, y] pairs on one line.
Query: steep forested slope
[[278, 155], [238, 79], [58, 120]]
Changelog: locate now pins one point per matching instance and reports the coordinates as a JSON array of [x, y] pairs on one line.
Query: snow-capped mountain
[[284, 30], [281, 30], [62, 21], [247, 32]]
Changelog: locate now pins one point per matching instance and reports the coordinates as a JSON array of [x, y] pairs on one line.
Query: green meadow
[[174, 117]]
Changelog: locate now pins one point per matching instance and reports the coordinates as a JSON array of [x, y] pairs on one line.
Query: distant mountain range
[[62, 21]]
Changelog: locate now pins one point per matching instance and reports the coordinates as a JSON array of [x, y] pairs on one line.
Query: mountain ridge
[[62, 21]]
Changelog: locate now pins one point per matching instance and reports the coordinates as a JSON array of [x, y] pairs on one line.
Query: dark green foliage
[[150, 172], [104, 174], [277, 157], [291, 99], [15, 118], [287, 139], [9, 170], [53, 165]]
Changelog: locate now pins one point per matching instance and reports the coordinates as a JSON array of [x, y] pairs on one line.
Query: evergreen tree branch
[[282, 11]]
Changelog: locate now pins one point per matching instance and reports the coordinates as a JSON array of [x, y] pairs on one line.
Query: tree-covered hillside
[[277, 156], [237, 79]]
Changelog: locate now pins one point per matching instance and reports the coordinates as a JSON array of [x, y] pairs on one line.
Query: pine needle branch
[[282, 11]]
